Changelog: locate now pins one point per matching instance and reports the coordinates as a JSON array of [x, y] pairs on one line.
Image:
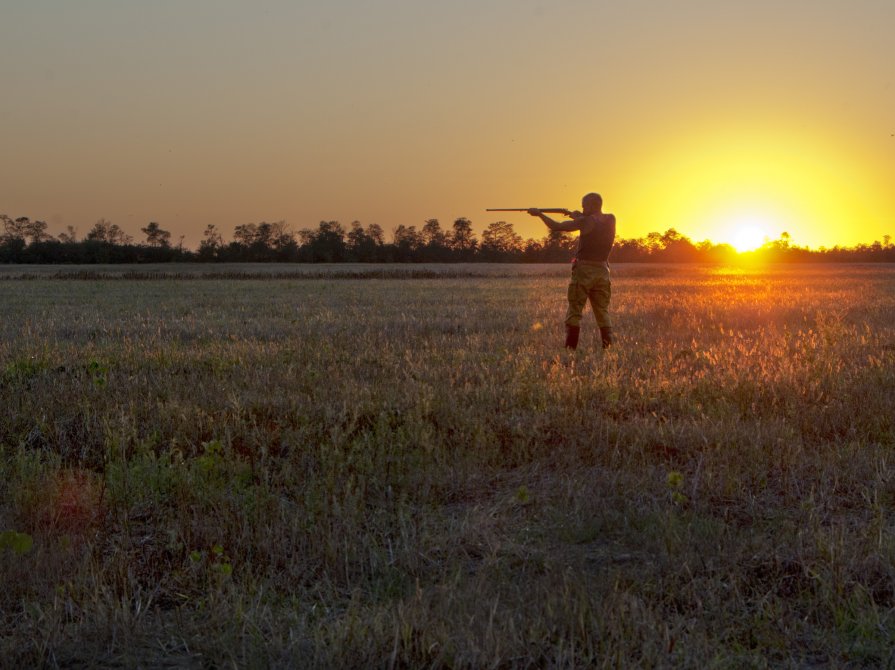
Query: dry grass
[[408, 472]]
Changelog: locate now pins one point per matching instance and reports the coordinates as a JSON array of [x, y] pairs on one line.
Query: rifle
[[549, 210]]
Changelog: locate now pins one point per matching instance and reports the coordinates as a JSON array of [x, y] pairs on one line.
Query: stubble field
[[267, 470]]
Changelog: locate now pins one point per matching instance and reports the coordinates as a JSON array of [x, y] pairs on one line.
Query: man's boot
[[606, 336], [572, 337]]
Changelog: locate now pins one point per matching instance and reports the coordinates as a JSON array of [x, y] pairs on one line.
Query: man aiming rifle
[[590, 269]]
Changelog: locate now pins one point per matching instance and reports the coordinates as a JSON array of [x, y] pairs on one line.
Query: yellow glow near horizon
[[798, 183]]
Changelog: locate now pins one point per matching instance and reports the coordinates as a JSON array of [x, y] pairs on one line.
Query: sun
[[747, 233], [748, 238]]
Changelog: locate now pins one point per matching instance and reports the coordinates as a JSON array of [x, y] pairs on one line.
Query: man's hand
[[534, 211], [574, 215]]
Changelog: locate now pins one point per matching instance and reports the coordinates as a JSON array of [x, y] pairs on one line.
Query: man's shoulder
[[592, 222]]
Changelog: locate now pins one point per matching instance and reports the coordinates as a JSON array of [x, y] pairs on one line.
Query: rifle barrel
[[549, 210]]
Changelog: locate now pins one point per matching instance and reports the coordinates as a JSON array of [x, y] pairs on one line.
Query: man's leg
[[599, 296], [577, 301]]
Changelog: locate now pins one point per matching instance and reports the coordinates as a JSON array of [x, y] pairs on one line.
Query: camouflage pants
[[590, 281]]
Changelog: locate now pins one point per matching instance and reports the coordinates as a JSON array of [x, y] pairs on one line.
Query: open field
[[283, 271], [410, 472]]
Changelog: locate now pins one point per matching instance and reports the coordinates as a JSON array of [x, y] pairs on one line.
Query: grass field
[[407, 471]]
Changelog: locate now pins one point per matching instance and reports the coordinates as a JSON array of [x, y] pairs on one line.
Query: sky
[[710, 117]]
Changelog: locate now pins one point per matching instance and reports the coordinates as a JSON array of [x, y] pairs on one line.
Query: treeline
[[25, 241]]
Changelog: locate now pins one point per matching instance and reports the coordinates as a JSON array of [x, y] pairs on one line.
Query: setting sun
[[738, 183], [748, 235], [748, 239]]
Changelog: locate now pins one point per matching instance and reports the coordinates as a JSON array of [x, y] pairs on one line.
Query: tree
[[105, 231], [324, 245], [12, 241], [433, 235], [15, 229], [408, 241], [213, 242], [652, 242], [365, 245], [376, 233], [212, 236], [677, 248], [560, 244], [69, 236], [435, 242], [408, 237], [99, 232], [155, 236], [500, 241], [274, 235], [630, 251], [357, 238], [462, 240], [36, 232], [264, 241], [245, 234]]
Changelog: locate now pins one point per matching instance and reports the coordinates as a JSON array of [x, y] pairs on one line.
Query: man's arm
[[578, 222]]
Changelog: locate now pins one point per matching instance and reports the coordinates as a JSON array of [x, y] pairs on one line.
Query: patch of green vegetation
[[24, 368], [18, 543]]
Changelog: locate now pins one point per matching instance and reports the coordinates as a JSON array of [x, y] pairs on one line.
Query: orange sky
[[698, 115]]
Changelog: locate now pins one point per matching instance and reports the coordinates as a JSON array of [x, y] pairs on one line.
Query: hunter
[[590, 269]]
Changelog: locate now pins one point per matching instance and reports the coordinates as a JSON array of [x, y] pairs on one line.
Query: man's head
[[592, 203]]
